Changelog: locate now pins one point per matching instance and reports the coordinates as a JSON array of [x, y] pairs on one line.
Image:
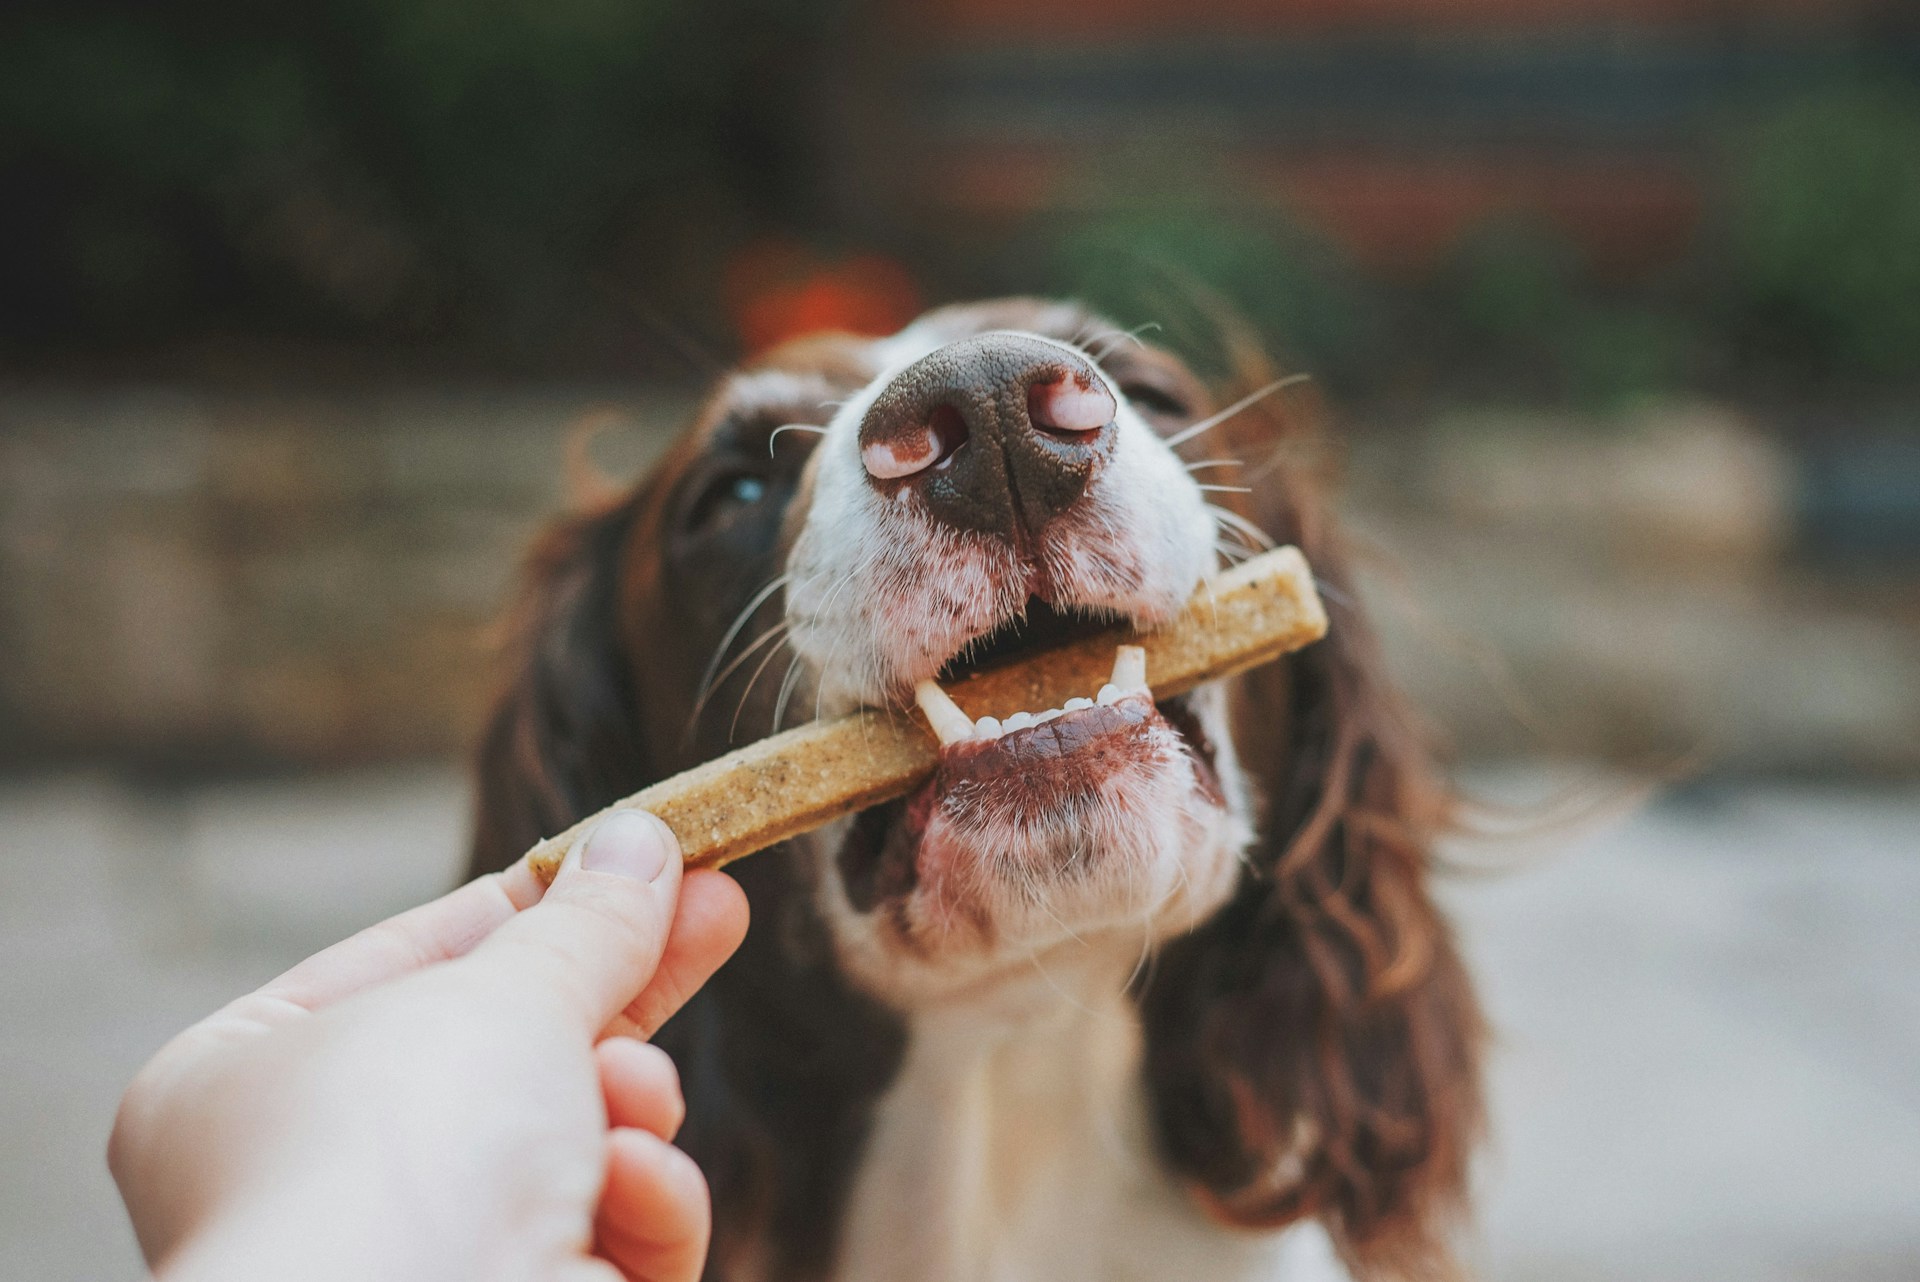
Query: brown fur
[[1312, 1049], [1328, 990]]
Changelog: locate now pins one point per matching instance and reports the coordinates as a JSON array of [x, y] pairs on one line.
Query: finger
[[655, 1214], [596, 938], [707, 928], [448, 927], [641, 1086]]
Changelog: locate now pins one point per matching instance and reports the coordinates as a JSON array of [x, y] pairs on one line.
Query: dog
[[1165, 997]]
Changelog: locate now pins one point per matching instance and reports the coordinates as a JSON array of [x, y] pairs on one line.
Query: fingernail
[[629, 843]]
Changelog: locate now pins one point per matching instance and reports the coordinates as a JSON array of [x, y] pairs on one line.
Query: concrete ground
[[1708, 1009]]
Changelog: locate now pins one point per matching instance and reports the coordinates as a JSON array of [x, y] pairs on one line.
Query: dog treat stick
[[802, 778]]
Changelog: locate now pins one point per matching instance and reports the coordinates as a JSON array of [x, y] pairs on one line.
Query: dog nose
[[999, 433]]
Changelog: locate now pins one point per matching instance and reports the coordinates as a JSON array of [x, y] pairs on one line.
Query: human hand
[[456, 1092]]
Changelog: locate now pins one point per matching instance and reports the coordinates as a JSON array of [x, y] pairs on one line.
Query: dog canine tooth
[[950, 725], [1129, 668]]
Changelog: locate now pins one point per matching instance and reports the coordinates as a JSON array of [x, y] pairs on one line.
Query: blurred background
[[1615, 305]]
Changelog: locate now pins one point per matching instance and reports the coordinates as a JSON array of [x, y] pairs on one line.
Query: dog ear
[[1312, 1049], [565, 736]]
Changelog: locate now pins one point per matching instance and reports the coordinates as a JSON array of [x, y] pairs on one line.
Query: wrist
[[311, 1228]]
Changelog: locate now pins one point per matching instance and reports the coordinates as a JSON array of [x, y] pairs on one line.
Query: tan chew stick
[[802, 778]]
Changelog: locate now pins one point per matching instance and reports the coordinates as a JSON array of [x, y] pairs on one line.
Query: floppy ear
[[1312, 1049], [565, 736]]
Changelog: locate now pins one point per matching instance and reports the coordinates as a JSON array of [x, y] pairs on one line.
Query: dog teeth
[[950, 725]]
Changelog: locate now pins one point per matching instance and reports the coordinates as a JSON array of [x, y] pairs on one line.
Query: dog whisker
[[734, 725], [1337, 595], [1224, 489], [791, 427], [1039, 967], [1214, 420], [1215, 462], [1235, 539], [786, 690], [1237, 524], [777, 632], [758, 599], [1232, 553], [1213, 605], [1131, 335], [820, 687], [1309, 452]]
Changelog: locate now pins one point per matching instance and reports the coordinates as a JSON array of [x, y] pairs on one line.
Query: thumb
[[596, 937]]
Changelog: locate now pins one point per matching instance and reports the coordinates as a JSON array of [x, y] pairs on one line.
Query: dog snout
[[998, 433]]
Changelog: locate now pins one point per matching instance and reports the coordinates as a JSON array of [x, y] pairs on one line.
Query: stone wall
[[217, 580], [221, 578], [1636, 590]]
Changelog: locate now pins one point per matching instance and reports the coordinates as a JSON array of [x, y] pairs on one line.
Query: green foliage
[[474, 168], [1522, 300], [1613, 356], [1513, 281], [1823, 229], [1180, 268], [483, 153]]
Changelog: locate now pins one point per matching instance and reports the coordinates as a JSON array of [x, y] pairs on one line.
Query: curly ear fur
[[565, 737], [1312, 1049]]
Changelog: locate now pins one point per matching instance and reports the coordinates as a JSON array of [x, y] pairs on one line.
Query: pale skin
[[461, 1092]]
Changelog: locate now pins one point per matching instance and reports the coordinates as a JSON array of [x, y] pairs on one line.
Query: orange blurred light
[[777, 290]]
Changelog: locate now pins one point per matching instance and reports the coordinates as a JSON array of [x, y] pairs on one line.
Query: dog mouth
[[1049, 762], [1046, 801], [1023, 733], [1042, 802], [1040, 625], [1052, 801]]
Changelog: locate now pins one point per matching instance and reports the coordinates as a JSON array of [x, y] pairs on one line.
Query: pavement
[[1708, 1007]]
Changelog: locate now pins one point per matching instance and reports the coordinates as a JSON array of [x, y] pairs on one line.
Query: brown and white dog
[[1146, 989]]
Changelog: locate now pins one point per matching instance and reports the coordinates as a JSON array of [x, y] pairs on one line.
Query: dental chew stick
[[802, 778]]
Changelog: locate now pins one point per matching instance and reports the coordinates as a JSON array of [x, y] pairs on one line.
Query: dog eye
[[725, 494], [1154, 400]]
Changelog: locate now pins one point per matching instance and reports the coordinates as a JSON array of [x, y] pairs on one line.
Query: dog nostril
[[904, 455], [949, 432], [918, 448], [1065, 406]]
